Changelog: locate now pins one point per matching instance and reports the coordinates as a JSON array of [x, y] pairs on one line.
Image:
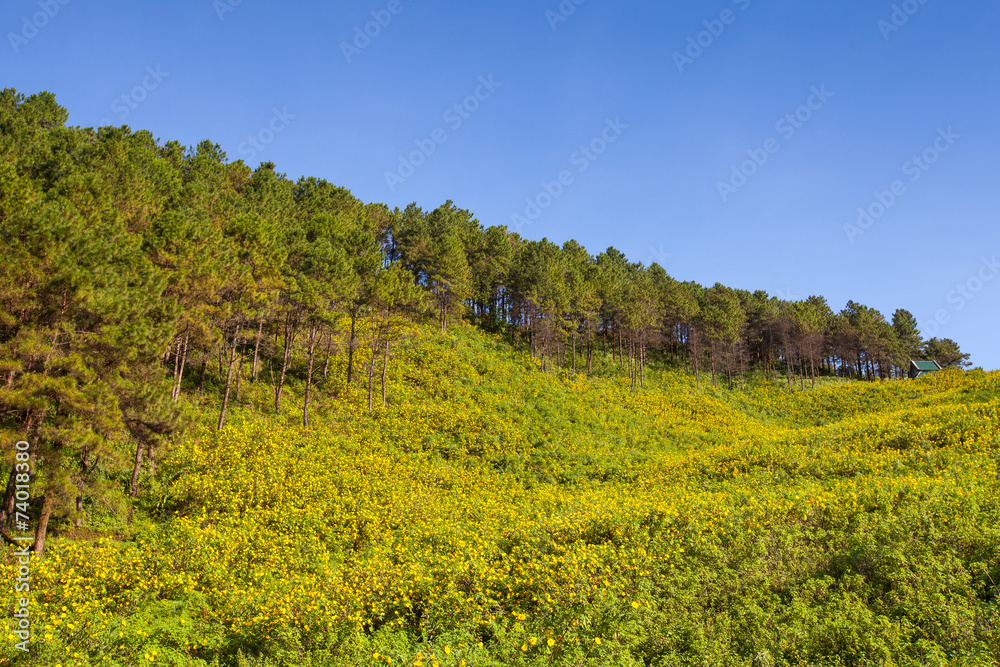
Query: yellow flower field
[[493, 514]]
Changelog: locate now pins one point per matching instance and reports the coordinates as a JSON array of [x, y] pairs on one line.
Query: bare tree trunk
[[136, 467], [150, 456], [574, 350], [621, 351], [204, 369], [229, 375], [351, 344], [329, 349], [7, 510], [788, 368], [642, 366], [289, 338], [371, 376], [84, 469], [256, 348], [177, 362], [313, 330], [180, 371], [43, 525], [631, 362], [695, 354], [239, 371], [385, 369]]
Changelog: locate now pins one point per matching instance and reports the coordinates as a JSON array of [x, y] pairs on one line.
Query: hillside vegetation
[[250, 420], [139, 273], [495, 514]]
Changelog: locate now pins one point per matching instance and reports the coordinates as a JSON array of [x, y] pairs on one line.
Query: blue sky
[[729, 140]]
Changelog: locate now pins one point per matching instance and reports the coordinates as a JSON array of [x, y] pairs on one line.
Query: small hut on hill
[[918, 368]]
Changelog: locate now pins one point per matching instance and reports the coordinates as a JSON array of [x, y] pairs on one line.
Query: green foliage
[[558, 490], [492, 507]]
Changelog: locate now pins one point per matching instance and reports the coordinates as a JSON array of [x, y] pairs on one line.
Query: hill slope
[[493, 514]]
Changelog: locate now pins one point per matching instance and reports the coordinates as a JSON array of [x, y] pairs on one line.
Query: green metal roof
[[926, 365]]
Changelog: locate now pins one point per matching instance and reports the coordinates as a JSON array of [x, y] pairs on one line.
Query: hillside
[[495, 514]]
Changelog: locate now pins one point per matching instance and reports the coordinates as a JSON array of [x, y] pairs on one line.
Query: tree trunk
[[695, 354], [177, 364], [351, 344], [642, 366], [313, 330], [136, 467], [329, 349], [78, 519], [43, 526], [256, 348], [289, 338], [7, 510], [204, 370], [229, 375], [180, 371], [84, 470], [376, 344], [385, 369], [788, 368], [621, 347], [631, 362], [239, 371], [574, 350]]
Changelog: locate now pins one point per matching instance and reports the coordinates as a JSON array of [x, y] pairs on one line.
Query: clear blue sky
[[919, 82]]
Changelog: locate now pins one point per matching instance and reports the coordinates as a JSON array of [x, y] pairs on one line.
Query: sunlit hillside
[[494, 514]]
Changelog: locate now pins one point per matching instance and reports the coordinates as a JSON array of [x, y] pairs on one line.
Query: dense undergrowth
[[493, 514]]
